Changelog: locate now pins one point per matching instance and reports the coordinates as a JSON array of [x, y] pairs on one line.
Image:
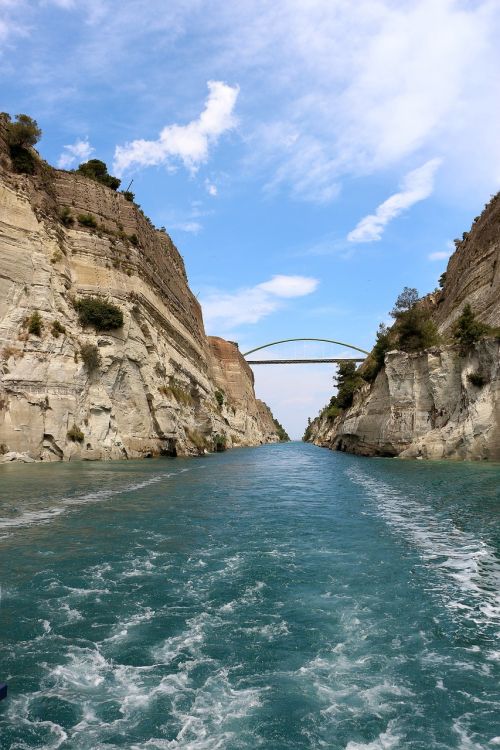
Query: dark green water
[[278, 597]]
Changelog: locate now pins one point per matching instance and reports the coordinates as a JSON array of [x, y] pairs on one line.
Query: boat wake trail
[[467, 566]]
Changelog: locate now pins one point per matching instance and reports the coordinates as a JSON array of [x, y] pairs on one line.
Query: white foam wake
[[46, 515], [466, 561]]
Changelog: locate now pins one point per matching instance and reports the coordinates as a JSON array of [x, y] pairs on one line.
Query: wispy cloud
[[190, 143], [193, 227], [443, 254], [78, 151], [211, 188], [251, 304], [416, 186]]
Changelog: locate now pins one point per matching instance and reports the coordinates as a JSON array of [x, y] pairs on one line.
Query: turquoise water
[[277, 597]]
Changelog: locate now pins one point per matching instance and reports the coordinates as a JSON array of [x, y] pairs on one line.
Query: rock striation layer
[[426, 405], [162, 385]]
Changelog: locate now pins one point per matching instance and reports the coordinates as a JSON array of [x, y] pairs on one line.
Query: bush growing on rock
[[87, 220], [468, 330], [98, 171], [75, 434], [128, 195], [91, 357], [35, 324], [220, 443], [414, 328], [65, 216], [57, 328], [219, 397], [22, 135], [23, 132], [104, 316]]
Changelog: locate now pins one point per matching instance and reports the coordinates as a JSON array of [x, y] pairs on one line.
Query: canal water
[[281, 597]]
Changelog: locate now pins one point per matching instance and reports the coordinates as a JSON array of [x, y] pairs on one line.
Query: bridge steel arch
[[286, 341]]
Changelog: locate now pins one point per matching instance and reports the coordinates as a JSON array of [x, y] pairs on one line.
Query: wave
[[468, 563], [46, 515]]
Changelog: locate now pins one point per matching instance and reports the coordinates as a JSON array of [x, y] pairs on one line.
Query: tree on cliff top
[[24, 132], [98, 171], [414, 328], [21, 136]]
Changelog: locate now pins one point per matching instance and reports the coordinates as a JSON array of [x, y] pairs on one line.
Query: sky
[[309, 158]]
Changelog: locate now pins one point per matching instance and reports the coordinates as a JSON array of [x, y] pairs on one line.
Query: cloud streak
[[188, 143], [251, 304], [416, 186], [79, 151]]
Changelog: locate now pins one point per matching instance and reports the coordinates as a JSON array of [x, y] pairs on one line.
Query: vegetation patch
[[220, 443], [98, 171], [128, 195], [468, 330], [34, 323], [87, 220], [22, 134], [66, 217], [3, 449], [282, 433], [197, 440], [75, 434], [57, 329], [104, 316], [177, 391], [219, 397], [91, 356]]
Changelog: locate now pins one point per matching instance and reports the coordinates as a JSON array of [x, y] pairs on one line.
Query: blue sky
[[309, 159]]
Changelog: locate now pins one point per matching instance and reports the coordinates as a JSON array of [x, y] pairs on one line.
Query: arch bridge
[[334, 360]]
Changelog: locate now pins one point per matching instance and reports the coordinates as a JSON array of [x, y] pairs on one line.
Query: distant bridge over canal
[[332, 360]]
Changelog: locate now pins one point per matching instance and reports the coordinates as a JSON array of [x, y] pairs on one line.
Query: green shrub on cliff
[[91, 357], [23, 132], [87, 220], [75, 434], [35, 324], [468, 330], [414, 328], [98, 171], [22, 135], [104, 316], [282, 433]]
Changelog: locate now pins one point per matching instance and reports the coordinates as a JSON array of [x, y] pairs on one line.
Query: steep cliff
[[441, 402], [161, 386]]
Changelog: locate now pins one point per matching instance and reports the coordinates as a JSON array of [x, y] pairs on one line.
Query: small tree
[[104, 316], [98, 171], [468, 329], [24, 132], [414, 327], [348, 381], [91, 357], [35, 324]]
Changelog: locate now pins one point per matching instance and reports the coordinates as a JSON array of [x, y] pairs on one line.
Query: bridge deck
[[335, 360]]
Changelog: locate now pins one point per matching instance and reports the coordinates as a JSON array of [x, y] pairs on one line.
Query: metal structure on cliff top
[[334, 360]]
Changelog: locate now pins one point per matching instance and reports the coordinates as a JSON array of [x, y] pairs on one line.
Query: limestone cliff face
[[155, 390], [424, 404]]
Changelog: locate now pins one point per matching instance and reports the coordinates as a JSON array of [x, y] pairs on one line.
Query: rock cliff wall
[[162, 385], [425, 404]]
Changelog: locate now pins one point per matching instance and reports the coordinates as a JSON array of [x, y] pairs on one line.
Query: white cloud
[[189, 143], [440, 255], [211, 188], [289, 286], [193, 227], [416, 186], [222, 310], [79, 151]]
